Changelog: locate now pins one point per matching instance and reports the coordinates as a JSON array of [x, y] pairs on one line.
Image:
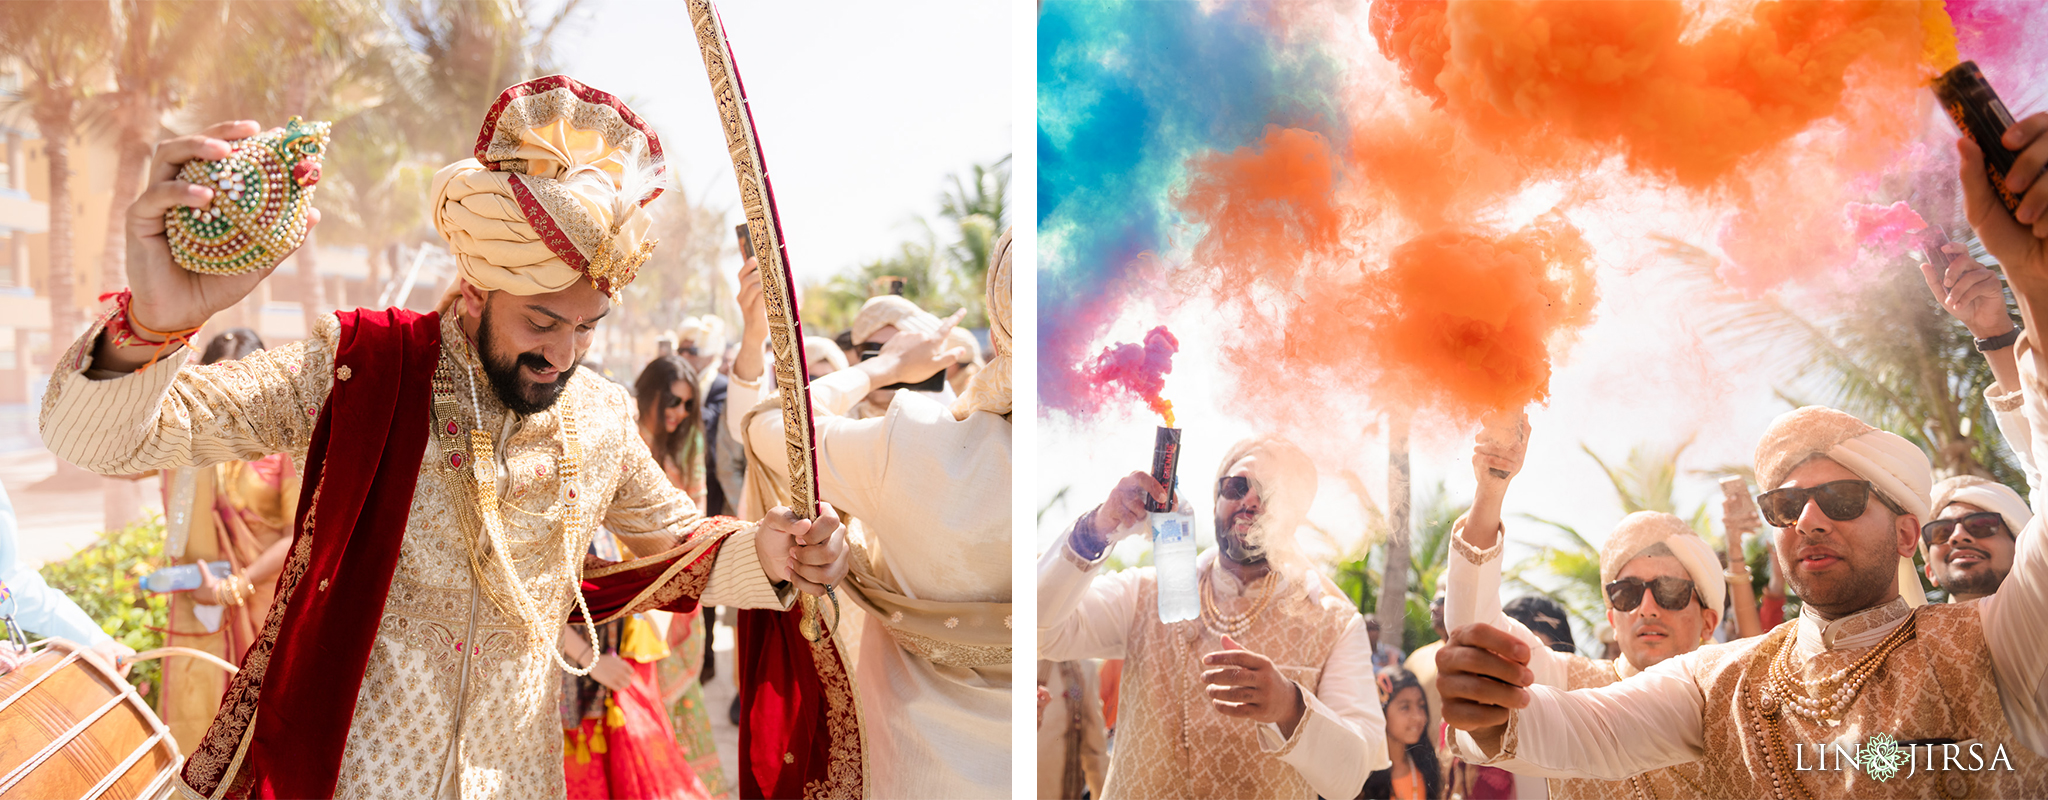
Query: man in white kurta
[[1186, 725], [930, 486]]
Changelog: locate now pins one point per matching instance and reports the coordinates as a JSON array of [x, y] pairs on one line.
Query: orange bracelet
[[124, 331]]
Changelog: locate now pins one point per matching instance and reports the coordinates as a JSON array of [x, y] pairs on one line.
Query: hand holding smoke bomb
[[1969, 291], [1983, 119], [2001, 167], [1126, 505], [1502, 444]]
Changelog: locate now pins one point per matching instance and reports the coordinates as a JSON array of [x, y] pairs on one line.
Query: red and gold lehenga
[[618, 745]]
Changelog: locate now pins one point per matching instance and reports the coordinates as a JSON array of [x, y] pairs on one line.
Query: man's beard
[[1239, 548], [513, 390], [1862, 588], [1985, 582]]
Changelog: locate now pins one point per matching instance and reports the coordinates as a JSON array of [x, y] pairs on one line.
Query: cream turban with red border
[[555, 193], [1895, 466]]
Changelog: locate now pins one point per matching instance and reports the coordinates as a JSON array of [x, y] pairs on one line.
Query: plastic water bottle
[[1173, 554]]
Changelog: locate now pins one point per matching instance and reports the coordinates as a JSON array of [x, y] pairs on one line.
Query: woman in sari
[[239, 512]]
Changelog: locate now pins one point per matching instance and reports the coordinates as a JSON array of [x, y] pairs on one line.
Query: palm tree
[[1885, 352], [979, 207], [61, 47], [156, 43], [1436, 512], [1391, 610]]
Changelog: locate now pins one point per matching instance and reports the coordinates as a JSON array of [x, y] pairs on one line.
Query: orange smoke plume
[[1621, 74], [1462, 323]]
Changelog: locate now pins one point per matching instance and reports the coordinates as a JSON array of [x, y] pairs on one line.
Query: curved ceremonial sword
[[764, 228], [802, 732]]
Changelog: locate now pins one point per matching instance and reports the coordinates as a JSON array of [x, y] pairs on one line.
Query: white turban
[[1983, 493], [891, 310], [1895, 466], [1646, 529], [816, 347]]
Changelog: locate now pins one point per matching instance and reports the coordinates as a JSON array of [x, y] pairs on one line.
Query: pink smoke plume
[[1887, 229], [1136, 369]]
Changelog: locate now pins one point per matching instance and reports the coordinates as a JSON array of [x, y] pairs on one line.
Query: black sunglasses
[[1981, 525], [1234, 487], [674, 401], [1840, 500], [1673, 594]]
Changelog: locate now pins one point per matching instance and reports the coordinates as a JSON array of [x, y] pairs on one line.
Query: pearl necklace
[[1830, 695], [1234, 624]]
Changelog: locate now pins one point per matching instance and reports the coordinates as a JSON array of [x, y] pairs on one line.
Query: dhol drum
[[71, 727]]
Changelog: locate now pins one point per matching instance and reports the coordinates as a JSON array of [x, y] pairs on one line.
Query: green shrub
[[102, 580]]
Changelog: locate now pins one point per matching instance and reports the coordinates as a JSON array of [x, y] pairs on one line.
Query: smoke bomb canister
[[1980, 115], [1165, 465]]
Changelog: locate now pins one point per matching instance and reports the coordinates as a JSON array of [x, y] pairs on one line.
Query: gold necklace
[[483, 464], [1234, 624]]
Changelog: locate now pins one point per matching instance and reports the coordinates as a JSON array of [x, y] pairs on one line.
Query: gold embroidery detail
[[344, 373]]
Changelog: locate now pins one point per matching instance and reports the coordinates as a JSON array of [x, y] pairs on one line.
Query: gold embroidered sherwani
[[454, 701]]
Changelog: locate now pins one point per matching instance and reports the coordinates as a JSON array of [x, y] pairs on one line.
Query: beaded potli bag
[[261, 194]]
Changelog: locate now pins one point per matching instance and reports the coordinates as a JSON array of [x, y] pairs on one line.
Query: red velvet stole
[[660, 581], [801, 731], [299, 682]]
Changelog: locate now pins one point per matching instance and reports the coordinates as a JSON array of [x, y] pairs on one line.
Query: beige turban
[[555, 193], [1895, 466], [1983, 493], [963, 339], [887, 310], [1646, 529], [706, 332], [816, 347], [989, 390], [1287, 484]]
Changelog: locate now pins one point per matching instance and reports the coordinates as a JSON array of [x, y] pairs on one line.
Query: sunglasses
[[1981, 525], [1840, 500], [1234, 487], [674, 401], [1673, 594]]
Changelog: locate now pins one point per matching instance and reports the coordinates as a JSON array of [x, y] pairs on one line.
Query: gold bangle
[[232, 590]]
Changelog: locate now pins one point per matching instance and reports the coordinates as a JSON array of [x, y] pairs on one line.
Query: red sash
[[298, 682]]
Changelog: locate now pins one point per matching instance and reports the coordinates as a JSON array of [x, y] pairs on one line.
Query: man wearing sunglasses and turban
[[1663, 584], [1974, 535], [1270, 693], [1865, 657], [457, 465]]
